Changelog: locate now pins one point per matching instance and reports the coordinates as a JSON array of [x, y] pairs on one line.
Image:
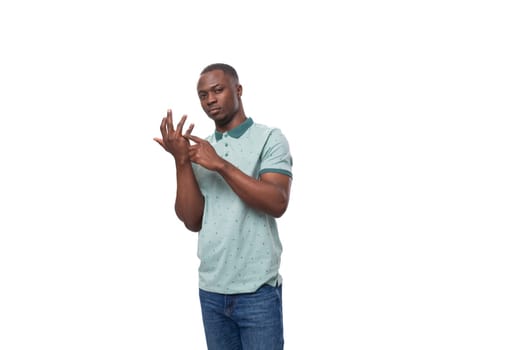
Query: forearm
[[266, 195], [189, 202]]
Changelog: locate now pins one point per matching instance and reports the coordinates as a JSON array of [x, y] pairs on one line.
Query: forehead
[[213, 78]]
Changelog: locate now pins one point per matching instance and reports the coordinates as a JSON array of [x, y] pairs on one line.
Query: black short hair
[[226, 68]]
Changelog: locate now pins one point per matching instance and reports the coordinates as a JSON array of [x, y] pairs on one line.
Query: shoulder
[[268, 132]]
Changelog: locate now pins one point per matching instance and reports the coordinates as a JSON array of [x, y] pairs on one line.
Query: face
[[219, 95]]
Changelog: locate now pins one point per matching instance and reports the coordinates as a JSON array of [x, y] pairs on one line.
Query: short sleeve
[[276, 156]]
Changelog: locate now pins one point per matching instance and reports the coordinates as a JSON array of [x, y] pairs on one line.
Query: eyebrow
[[211, 88]]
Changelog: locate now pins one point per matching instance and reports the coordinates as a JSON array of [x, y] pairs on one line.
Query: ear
[[239, 90]]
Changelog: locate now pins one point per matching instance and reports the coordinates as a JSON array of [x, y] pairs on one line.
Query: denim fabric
[[248, 321]]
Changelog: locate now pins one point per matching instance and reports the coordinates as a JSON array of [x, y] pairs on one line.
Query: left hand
[[202, 153]]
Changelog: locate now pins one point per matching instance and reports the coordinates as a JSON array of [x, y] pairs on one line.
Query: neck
[[234, 122]]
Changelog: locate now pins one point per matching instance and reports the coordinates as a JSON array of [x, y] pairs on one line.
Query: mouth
[[214, 110]]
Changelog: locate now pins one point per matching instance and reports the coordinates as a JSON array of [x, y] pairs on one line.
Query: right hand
[[172, 139]]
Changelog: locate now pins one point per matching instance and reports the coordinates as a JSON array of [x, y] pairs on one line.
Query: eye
[[218, 90], [202, 95]]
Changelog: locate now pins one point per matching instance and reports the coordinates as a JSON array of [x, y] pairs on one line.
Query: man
[[231, 187]]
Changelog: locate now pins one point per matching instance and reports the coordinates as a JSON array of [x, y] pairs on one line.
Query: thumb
[[160, 142]]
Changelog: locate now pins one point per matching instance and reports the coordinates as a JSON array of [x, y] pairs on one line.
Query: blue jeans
[[250, 321]]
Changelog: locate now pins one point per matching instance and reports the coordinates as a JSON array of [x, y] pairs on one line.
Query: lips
[[214, 110]]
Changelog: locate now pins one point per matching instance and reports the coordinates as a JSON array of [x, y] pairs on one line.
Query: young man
[[231, 187]]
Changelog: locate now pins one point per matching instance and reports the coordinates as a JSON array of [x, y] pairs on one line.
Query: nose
[[211, 99]]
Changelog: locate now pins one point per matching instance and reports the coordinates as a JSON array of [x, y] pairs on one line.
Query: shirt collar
[[236, 132]]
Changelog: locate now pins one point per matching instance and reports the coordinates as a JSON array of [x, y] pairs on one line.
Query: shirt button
[[226, 144]]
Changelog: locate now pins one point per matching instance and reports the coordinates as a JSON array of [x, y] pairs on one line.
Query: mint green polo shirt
[[239, 247]]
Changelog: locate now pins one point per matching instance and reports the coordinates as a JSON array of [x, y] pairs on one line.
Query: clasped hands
[[178, 144]]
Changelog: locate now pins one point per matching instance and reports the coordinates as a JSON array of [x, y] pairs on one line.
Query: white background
[[406, 222]]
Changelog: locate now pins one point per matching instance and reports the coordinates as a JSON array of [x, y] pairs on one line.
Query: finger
[[192, 153], [190, 129], [194, 148], [169, 120], [194, 138], [180, 125], [160, 142], [163, 127]]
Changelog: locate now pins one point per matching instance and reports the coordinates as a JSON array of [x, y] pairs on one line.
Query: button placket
[[225, 144]]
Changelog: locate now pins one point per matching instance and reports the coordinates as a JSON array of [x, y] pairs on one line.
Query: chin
[[221, 120], [217, 119]]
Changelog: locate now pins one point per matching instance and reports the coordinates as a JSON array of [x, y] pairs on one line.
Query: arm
[[269, 194], [189, 202]]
